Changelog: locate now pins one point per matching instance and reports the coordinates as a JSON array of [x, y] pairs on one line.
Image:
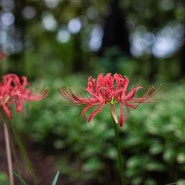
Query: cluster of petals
[[14, 90], [109, 89]]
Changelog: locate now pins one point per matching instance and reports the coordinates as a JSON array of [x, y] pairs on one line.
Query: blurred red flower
[[109, 90], [13, 90]]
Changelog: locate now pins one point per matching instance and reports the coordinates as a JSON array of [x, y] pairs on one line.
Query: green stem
[[15, 157], [119, 155], [24, 154]]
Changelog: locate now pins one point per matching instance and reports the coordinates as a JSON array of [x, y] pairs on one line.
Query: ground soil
[[42, 164]]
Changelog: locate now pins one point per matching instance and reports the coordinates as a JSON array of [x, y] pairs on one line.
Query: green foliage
[[24, 183], [4, 179], [157, 134], [45, 55], [152, 138], [137, 69]]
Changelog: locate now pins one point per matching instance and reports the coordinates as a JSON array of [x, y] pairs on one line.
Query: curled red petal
[[36, 97], [121, 121], [131, 94], [73, 98], [95, 112], [19, 106], [7, 111], [84, 111]]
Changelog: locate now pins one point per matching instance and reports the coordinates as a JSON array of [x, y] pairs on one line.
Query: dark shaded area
[[115, 30], [43, 165], [18, 37], [78, 63], [182, 57]]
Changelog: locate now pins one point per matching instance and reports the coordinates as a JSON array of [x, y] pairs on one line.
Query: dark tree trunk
[[18, 37], [78, 63], [182, 59], [115, 30]]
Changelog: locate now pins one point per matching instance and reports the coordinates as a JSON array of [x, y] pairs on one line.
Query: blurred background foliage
[[76, 35], [62, 42]]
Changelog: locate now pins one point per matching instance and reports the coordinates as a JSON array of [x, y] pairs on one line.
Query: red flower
[[109, 90], [13, 90]]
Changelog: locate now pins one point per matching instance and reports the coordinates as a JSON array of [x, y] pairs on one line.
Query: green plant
[[152, 139], [4, 179], [24, 183]]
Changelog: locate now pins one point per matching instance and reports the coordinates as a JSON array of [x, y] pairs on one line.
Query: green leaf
[[55, 178], [19, 177], [136, 181], [4, 179], [150, 182], [154, 166], [92, 164], [177, 183]]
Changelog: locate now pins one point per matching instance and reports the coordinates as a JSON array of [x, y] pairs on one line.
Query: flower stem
[[8, 153], [24, 154], [119, 155]]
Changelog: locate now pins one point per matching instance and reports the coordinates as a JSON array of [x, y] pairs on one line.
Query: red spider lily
[[13, 91], [109, 90]]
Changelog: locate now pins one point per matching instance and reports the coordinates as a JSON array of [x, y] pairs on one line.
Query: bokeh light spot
[[49, 22], [96, 38], [8, 18], [74, 25], [63, 36], [28, 12]]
